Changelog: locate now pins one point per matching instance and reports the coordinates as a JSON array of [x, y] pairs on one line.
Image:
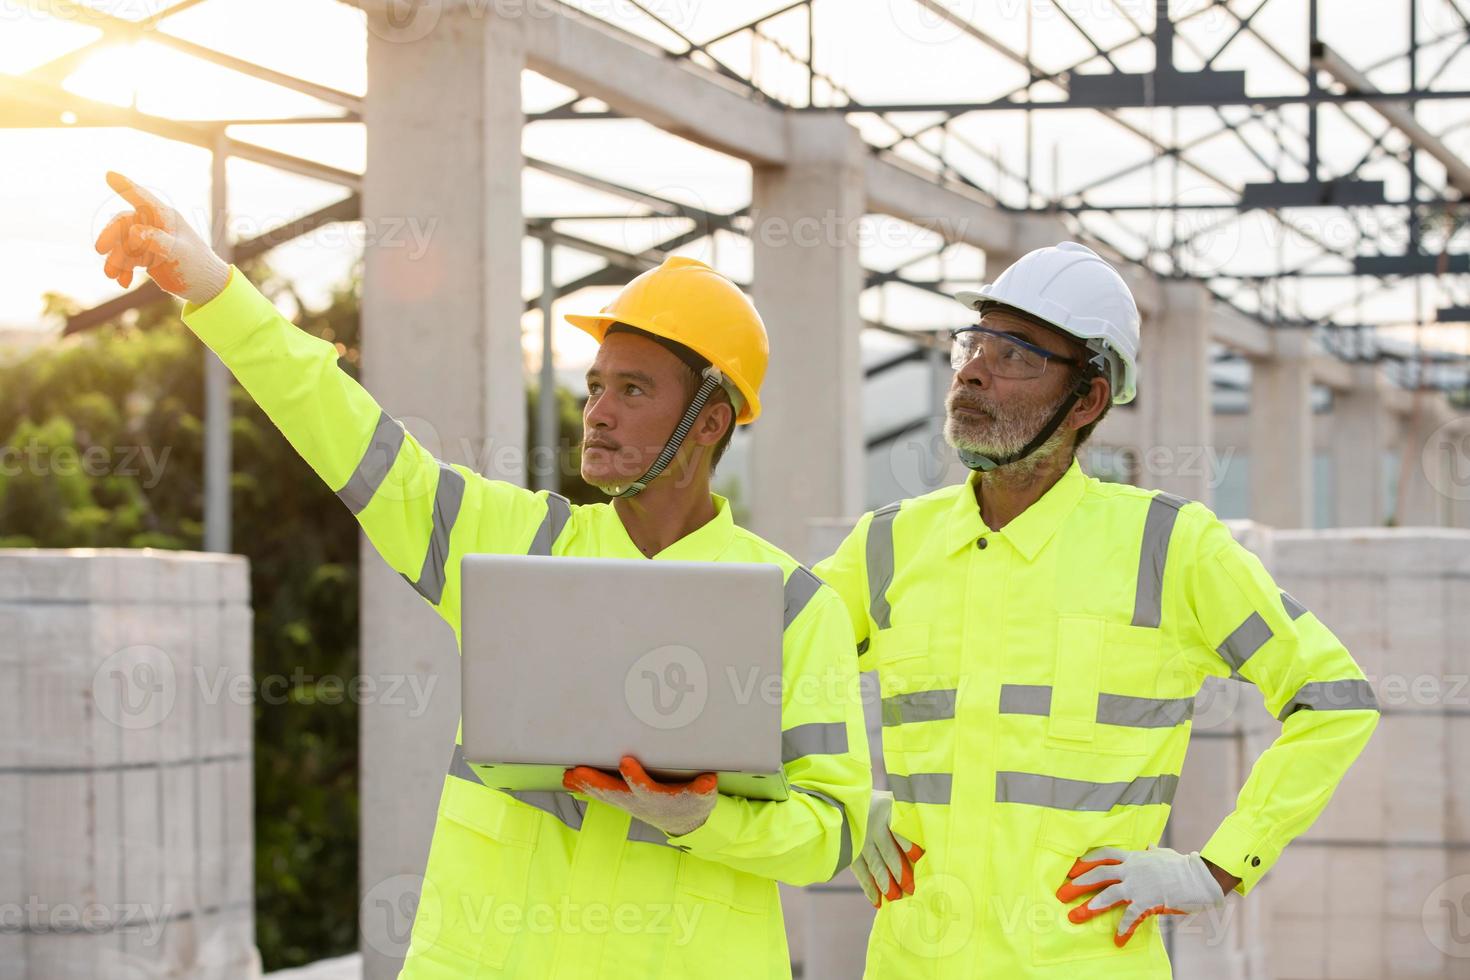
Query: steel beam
[[1396, 113]]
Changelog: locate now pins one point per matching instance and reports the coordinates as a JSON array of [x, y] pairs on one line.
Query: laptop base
[[751, 785]]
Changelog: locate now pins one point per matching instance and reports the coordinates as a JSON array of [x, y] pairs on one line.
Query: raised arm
[[420, 513]]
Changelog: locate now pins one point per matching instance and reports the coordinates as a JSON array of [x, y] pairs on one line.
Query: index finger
[[1104, 854], [150, 208]]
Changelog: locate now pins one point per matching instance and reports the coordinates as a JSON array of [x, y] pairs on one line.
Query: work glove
[[1158, 881], [885, 866], [155, 236], [674, 808]]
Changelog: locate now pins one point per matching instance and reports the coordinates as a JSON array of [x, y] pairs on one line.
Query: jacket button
[[1255, 862], [980, 544]]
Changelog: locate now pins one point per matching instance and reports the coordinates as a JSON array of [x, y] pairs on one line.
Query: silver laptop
[[580, 661]]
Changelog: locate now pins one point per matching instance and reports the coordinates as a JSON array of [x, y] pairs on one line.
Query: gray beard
[[1005, 433]]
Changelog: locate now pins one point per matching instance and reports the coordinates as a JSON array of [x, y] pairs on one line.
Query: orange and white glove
[[885, 866], [674, 808], [155, 236], [1158, 881]]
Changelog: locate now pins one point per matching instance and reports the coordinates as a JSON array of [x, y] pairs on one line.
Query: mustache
[[974, 404], [600, 442]]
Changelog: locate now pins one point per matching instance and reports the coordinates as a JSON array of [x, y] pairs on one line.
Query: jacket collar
[[1031, 529], [704, 543]]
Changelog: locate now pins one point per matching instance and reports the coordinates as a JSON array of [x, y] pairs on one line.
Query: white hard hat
[[1071, 287]]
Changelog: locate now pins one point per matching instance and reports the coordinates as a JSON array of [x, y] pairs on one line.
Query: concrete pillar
[[1455, 447], [127, 842], [1373, 888], [1423, 469], [1460, 509], [1174, 394], [807, 449], [1281, 433], [441, 351], [1361, 426]]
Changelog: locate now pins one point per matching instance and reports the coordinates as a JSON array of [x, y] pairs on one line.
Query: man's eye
[[634, 390], [593, 388]]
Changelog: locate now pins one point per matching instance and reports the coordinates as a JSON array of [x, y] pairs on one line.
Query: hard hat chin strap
[[707, 387], [984, 463]]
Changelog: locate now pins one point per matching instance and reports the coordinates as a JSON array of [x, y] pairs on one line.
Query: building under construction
[[1281, 185]]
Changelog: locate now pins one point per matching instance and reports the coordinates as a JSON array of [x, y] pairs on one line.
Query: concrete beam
[[1332, 373], [960, 215], [1398, 401], [1239, 332], [640, 79]]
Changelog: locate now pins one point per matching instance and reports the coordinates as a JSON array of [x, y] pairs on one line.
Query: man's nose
[[974, 372], [595, 415]]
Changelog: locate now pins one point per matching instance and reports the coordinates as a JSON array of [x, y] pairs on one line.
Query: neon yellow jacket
[[1038, 686], [552, 884]]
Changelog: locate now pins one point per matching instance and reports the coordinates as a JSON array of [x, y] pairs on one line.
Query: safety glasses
[[1005, 356]]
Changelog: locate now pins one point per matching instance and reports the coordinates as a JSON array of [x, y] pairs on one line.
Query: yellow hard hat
[[687, 302]]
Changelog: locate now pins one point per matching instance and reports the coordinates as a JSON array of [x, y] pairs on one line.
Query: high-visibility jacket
[[540, 884], [1038, 686]]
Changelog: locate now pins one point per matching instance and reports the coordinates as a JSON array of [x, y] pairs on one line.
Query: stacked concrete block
[[1371, 890], [1379, 886], [126, 838], [1456, 891]]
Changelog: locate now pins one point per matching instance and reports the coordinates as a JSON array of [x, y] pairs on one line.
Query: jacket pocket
[[1063, 838], [918, 698], [1103, 684], [715, 907], [474, 898]]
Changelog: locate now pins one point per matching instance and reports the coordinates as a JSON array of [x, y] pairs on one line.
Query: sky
[[54, 199]]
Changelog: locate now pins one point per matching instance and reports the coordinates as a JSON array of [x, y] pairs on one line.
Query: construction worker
[[1039, 638], [625, 877]]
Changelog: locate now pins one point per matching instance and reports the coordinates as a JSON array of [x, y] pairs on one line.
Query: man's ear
[[1092, 404], [713, 421]]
